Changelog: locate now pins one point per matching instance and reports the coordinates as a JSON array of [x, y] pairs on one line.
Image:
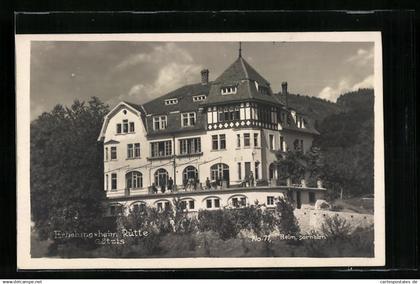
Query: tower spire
[[240, 49]]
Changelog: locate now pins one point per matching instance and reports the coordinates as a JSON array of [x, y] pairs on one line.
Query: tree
[[297, 166], [66, 169], [346, 142]]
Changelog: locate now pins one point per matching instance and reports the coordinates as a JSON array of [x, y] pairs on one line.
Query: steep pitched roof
[[245, 78], [241, 70], [184, 96]]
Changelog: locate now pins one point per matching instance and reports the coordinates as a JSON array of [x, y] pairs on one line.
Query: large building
[[210, 145]]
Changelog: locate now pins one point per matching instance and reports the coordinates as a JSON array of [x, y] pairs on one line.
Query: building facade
[[213, 144]]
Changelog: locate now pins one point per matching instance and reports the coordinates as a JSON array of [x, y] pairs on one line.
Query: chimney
[[284, 93], [204, 76]]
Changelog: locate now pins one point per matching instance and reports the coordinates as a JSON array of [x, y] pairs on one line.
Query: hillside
[[315, 108], [346, 142]]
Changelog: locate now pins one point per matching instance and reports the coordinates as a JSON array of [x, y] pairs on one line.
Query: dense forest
[[344, 150], [346, 142]]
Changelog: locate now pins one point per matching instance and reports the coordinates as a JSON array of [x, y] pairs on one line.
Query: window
[[216, 203], [228, 90], [125, 126], [113, 153], [271, 138], [235, 202], [138, 207], [208, 203], [189, 173], [106, 154], [130, 151], [136, 150], [263, 90], [282, 143], [229, 113], [239, 171], [219, 172], [222, 141], [242, 201], [159, 122], [190, 146], [161, 149], [106, 182], [134, 179], [113, 182], [257, 170], [188, 119], [271, 171], [270, 200], [215, 142], [133, 150], [238, 140], [296, 145], [301, 145], [191, 204], [247, 140], [218, 142], [161, 177], [199, 98], [311, 197], [171, 102], [256, 143]]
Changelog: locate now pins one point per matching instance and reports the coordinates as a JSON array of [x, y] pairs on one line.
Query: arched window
[[212, 202], [163, 205], [238, 201], [161, 177], [189, 173], [219, 172], [137, 207], [134, 179]]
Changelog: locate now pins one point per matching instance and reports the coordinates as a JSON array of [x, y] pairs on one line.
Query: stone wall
[[311, 219]]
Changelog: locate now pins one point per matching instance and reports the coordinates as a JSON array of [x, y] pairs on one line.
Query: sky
[[62, 71]]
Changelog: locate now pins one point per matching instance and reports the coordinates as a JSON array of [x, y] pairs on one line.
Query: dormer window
[[159, 122], [230, 90], [188, 119], [263, 90], [171, 102], [199, 98]]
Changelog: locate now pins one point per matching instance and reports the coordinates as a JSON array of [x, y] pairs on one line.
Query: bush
[[287, 222], [336, 228]]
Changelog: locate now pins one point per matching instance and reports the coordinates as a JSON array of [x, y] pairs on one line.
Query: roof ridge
[[244, 68]]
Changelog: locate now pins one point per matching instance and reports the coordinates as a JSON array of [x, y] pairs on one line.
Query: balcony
[[160, 157], [200, 188]]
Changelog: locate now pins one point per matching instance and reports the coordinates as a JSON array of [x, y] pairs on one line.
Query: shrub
[[336, 228], [287, 222]]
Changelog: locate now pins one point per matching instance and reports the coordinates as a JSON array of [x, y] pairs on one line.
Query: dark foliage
[[66, 172], [346, 142]]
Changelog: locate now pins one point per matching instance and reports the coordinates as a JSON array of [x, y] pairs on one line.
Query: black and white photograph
[[200, 150]]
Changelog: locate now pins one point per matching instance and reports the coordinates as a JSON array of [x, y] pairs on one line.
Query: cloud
[[362, 57], [172, 67], [332, 93], [159, 54]]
